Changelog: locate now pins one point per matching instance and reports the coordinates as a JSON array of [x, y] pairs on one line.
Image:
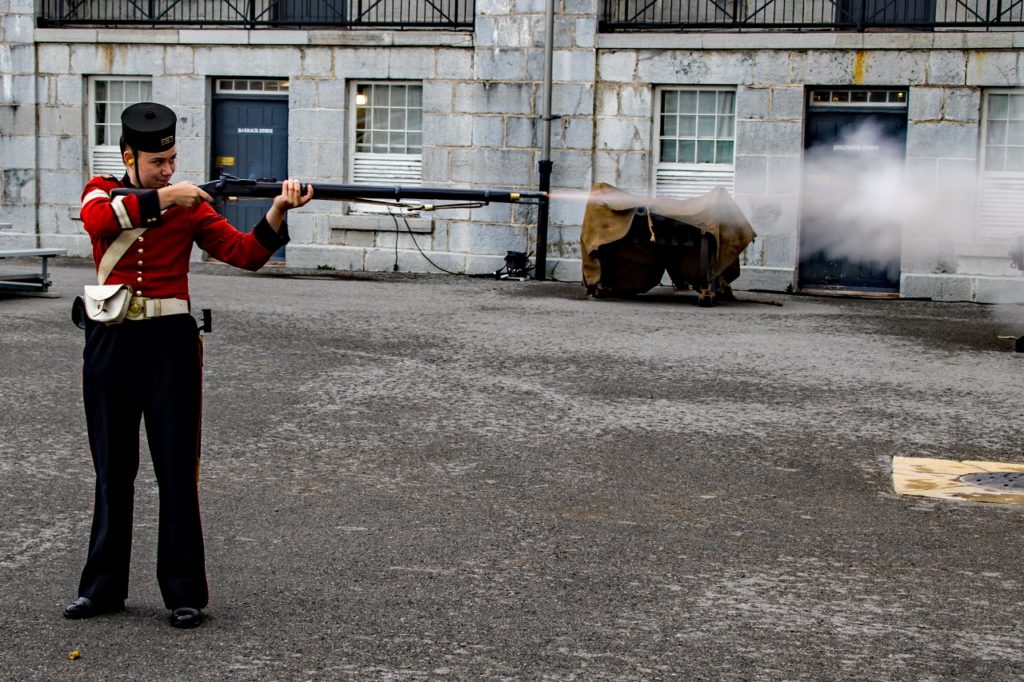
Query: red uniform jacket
[[157, 264]]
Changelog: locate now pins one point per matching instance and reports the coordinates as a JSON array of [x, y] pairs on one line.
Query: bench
[[28, 281]]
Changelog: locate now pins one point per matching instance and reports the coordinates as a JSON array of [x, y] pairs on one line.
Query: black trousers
[[148, 369]]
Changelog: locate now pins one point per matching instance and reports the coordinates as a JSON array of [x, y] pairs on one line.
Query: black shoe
[[186, 617], [83, 607]]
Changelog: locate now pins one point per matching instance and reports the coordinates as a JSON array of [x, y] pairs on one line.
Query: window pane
[[415, 141], [117, 91], [1015, 159], [380, 119], [995, 158], [1016, 107], [397, 119], [705, 151], [687, 151], [998, 106], [725, 126], [415, 97], [687, 126], [1015, 132], [398, 96], [997, 132], [726, 102], [668, 151], [670, 102], [688, 102], [396, 142], [705, 126], [723, 151], [706, 102], [415, 119], [669, 126]]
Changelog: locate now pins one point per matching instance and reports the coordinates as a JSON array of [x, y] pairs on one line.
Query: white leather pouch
[[107, 303]]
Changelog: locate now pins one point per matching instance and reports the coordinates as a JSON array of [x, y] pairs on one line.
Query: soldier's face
[[156, 168]]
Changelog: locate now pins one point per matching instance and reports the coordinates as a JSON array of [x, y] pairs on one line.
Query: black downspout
[[540, 271]]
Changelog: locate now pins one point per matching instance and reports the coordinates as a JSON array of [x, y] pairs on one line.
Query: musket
[[228, 187]]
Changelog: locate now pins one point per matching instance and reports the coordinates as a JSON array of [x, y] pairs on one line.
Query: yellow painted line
[[927, 477]]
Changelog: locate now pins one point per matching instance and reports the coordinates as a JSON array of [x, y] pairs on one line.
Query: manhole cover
[[996, 480]]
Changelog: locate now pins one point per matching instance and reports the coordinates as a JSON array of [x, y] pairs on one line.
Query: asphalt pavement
[[413, 477]]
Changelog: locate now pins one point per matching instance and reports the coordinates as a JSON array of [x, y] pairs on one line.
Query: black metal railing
[[840, 15], [400, 14]]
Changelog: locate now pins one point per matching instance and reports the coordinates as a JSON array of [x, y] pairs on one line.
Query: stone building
[[874, 146]]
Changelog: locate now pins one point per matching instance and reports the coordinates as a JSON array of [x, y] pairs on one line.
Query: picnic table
[[34, 281]]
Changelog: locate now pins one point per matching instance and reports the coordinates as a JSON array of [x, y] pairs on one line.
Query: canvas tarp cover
[[610, 211]]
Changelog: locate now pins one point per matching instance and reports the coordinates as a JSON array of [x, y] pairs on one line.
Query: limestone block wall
[[18, 126], [482, 103], [946, 77]]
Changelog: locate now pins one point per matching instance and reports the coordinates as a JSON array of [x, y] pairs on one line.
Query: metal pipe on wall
[[545, 165]]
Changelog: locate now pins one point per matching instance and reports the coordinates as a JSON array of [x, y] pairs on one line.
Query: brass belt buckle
[[136, 309]]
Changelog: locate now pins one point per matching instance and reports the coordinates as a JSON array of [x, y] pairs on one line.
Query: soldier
[[150, 364]]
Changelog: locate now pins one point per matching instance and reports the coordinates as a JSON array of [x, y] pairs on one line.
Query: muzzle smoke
[[856, 198]]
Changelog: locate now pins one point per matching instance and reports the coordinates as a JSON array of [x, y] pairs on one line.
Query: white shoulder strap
[[115, 251]]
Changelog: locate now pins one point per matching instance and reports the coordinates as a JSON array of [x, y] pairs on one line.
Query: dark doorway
[[850, 227], [250, 140]]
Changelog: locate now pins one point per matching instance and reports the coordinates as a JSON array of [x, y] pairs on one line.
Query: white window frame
[[106, 158], [1000, 194], [384, 167], [686, 180]]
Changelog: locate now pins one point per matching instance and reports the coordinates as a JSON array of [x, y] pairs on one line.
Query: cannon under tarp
[[629, 241]]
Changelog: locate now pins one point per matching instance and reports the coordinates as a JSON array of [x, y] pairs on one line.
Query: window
[[111, 96], [694, 150], [874, 99], [1001, 180], [388, 134]]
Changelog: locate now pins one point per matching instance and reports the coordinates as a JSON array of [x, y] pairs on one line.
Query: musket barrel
[[267, 189]]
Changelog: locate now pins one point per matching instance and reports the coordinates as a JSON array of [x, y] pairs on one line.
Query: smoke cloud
[[857, 198]]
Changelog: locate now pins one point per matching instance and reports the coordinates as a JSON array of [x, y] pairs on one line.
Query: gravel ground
[[436, 478]]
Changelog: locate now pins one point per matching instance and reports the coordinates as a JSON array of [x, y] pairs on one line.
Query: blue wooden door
[[250, 140], [844, 242]]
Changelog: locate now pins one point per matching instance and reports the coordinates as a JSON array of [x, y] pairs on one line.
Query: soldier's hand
[[182, 194], [291, 196]]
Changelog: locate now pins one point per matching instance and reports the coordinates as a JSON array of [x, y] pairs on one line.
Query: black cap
[[148, 127]]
